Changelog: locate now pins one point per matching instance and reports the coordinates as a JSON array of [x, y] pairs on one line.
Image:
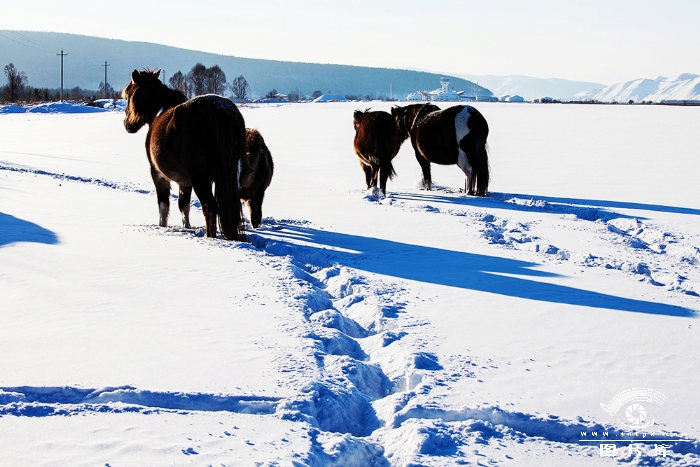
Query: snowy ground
[[423, 329]]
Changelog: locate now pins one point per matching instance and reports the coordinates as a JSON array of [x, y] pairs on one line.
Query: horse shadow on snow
[[585, 209], [13, 230], [463, 270]]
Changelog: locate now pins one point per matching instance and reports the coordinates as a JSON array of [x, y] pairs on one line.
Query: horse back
[[435, 136], [377, 132], [189, 132]]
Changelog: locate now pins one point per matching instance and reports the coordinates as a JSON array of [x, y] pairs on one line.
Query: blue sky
[[601, 41]]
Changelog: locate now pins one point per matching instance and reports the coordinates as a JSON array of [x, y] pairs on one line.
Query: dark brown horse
[[255, 174], [456, 135], [377, 142], [194, 143]]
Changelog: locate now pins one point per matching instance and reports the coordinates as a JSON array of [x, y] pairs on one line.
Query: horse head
[[406, 117], [145, 96], [358, 116], [399, 114]]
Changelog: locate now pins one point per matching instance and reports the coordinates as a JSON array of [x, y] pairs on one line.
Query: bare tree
[[295, 95], [108, 93], [79, 93], [271, 94], [178, 81], [16, 81], [215, 82], [240, 88], [197, 78]]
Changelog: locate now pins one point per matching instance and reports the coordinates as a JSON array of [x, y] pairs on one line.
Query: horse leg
[[425, 167], [383, 177], [183, 202], [163, 193], [210, 208], [463, 163], [375, 176], [368, 173], [255, 207]]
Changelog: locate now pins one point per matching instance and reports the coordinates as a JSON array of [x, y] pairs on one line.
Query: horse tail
[[231, 146], [387, 167], [478, 155], [382, 157], [481, 168]]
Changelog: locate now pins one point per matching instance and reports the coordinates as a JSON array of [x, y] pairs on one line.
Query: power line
[[33, 43], [21, 43], [27, 38]]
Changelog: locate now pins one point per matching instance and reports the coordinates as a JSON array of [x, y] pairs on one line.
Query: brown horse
[[377, 142], [456, 135], [255, 174], [194, 143]]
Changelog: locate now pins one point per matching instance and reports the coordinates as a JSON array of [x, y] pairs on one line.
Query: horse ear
[[135, 75], [158, 73]]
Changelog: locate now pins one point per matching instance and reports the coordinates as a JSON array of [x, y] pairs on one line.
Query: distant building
[[514, 99], [680, 102], [273, 99], [442, 94], [330, 98]]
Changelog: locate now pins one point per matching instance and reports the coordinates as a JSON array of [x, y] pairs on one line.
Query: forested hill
[[35, 53]]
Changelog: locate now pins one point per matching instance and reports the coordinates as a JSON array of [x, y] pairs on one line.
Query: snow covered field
[[423, 329]]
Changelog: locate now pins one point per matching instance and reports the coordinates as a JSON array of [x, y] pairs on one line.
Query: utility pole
[[62, 55], [104, 89]]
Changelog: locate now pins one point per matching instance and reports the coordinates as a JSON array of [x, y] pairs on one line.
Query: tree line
[[17, 89], [202, 80], [198, 81]]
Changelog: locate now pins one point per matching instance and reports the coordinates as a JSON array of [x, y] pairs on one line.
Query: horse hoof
[[371, 192], [376, 192]]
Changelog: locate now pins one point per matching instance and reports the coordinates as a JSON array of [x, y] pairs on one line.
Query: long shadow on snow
[[451, 268], [586, 209], [46, 401], [14, 230], [617, 204]]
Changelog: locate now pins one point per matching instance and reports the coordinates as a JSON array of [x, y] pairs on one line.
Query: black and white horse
[[456, 135]]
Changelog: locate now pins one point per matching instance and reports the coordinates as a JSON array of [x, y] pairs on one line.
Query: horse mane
[[358, 115], [146, 96], [150, 78], [407, 116]]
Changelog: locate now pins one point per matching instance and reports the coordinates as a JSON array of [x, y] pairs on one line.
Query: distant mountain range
[[35, 53], [532, 88], [680, 88]]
